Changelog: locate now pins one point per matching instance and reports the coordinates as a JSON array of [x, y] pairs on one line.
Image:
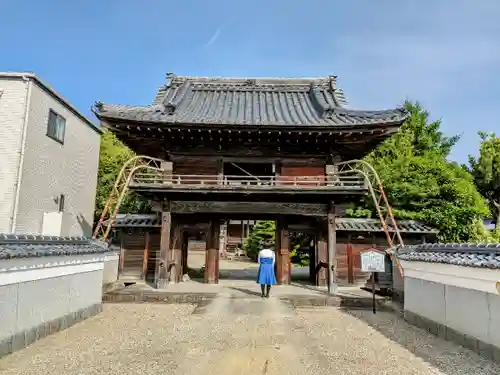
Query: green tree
[[113, 155], [266, 230], [262, 230], [486, 172], [421, 184]]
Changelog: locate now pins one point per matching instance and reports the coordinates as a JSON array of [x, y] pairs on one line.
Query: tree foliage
[[486, 172], [421, 184], [113, 155], [262, 230], [266, 230]]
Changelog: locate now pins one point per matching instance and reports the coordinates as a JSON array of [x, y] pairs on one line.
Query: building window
[[56, 127], [61, 203]]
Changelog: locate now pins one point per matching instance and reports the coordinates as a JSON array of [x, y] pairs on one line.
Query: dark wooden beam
[[306, 209]]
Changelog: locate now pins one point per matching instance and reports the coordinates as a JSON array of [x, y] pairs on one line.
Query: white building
[[49, 157]]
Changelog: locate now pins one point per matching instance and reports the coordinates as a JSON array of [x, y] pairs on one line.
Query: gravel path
[[243, 337]]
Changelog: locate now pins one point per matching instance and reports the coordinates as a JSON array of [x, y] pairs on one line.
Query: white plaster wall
[[110, 272], [37, 290], [12, 108], [51, 169], [462, 298]]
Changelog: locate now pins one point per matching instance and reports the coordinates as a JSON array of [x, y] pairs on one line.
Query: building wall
[[291, 172], [51, 169], [110, 271], [12, 110], [46, 295], [459, 303], [196, 166]]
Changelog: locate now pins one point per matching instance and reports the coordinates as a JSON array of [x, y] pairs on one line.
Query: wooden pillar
[[212, 253], [163, 260], [167, 168], [332, 250], [313, 260], [184, 246], [223, 236], [122, 256], [321, 260], [242, 232], [175, 264], [283, 266], [331, 170], [220, 171], [145, 256], [350, 263]]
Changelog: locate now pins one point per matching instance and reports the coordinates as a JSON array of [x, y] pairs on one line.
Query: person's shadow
[[246, 291]]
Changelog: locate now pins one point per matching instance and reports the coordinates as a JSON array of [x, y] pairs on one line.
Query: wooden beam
[[164, 258], [194, 207]]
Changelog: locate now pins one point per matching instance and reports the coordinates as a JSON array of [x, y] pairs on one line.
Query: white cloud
[[214, 37]]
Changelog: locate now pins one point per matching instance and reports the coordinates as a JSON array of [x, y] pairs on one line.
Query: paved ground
[[244, 336], [239, 333]]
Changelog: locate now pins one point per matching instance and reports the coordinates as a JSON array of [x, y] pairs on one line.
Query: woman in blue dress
[[266, 276]]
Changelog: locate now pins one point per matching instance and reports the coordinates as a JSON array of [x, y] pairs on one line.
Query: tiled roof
[[27, 246], [343, 224], [373, 225], [469, 255], [250, 101]]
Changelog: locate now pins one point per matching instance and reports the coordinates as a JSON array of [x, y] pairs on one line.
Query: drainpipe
[[21, 154]]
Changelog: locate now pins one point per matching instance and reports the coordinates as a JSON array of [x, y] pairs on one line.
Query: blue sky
[[444, 53]]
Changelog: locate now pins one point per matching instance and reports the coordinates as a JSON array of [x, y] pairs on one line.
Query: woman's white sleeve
[[274, 258], [258, 258]]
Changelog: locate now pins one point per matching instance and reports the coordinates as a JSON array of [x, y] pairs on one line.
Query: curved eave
[[337, 119]]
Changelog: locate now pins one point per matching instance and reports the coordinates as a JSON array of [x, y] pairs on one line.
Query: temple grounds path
[[239, 336]]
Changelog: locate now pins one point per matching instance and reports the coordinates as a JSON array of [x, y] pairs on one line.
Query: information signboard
[[372, 261]]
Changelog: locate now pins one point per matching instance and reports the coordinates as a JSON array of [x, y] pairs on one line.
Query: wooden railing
[[330, 182]]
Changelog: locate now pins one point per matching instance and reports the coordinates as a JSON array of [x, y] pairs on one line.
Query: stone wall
[[47, 285], [455, 294]]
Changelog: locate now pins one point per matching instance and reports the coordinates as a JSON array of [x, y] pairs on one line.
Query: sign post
[[373, 261]]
